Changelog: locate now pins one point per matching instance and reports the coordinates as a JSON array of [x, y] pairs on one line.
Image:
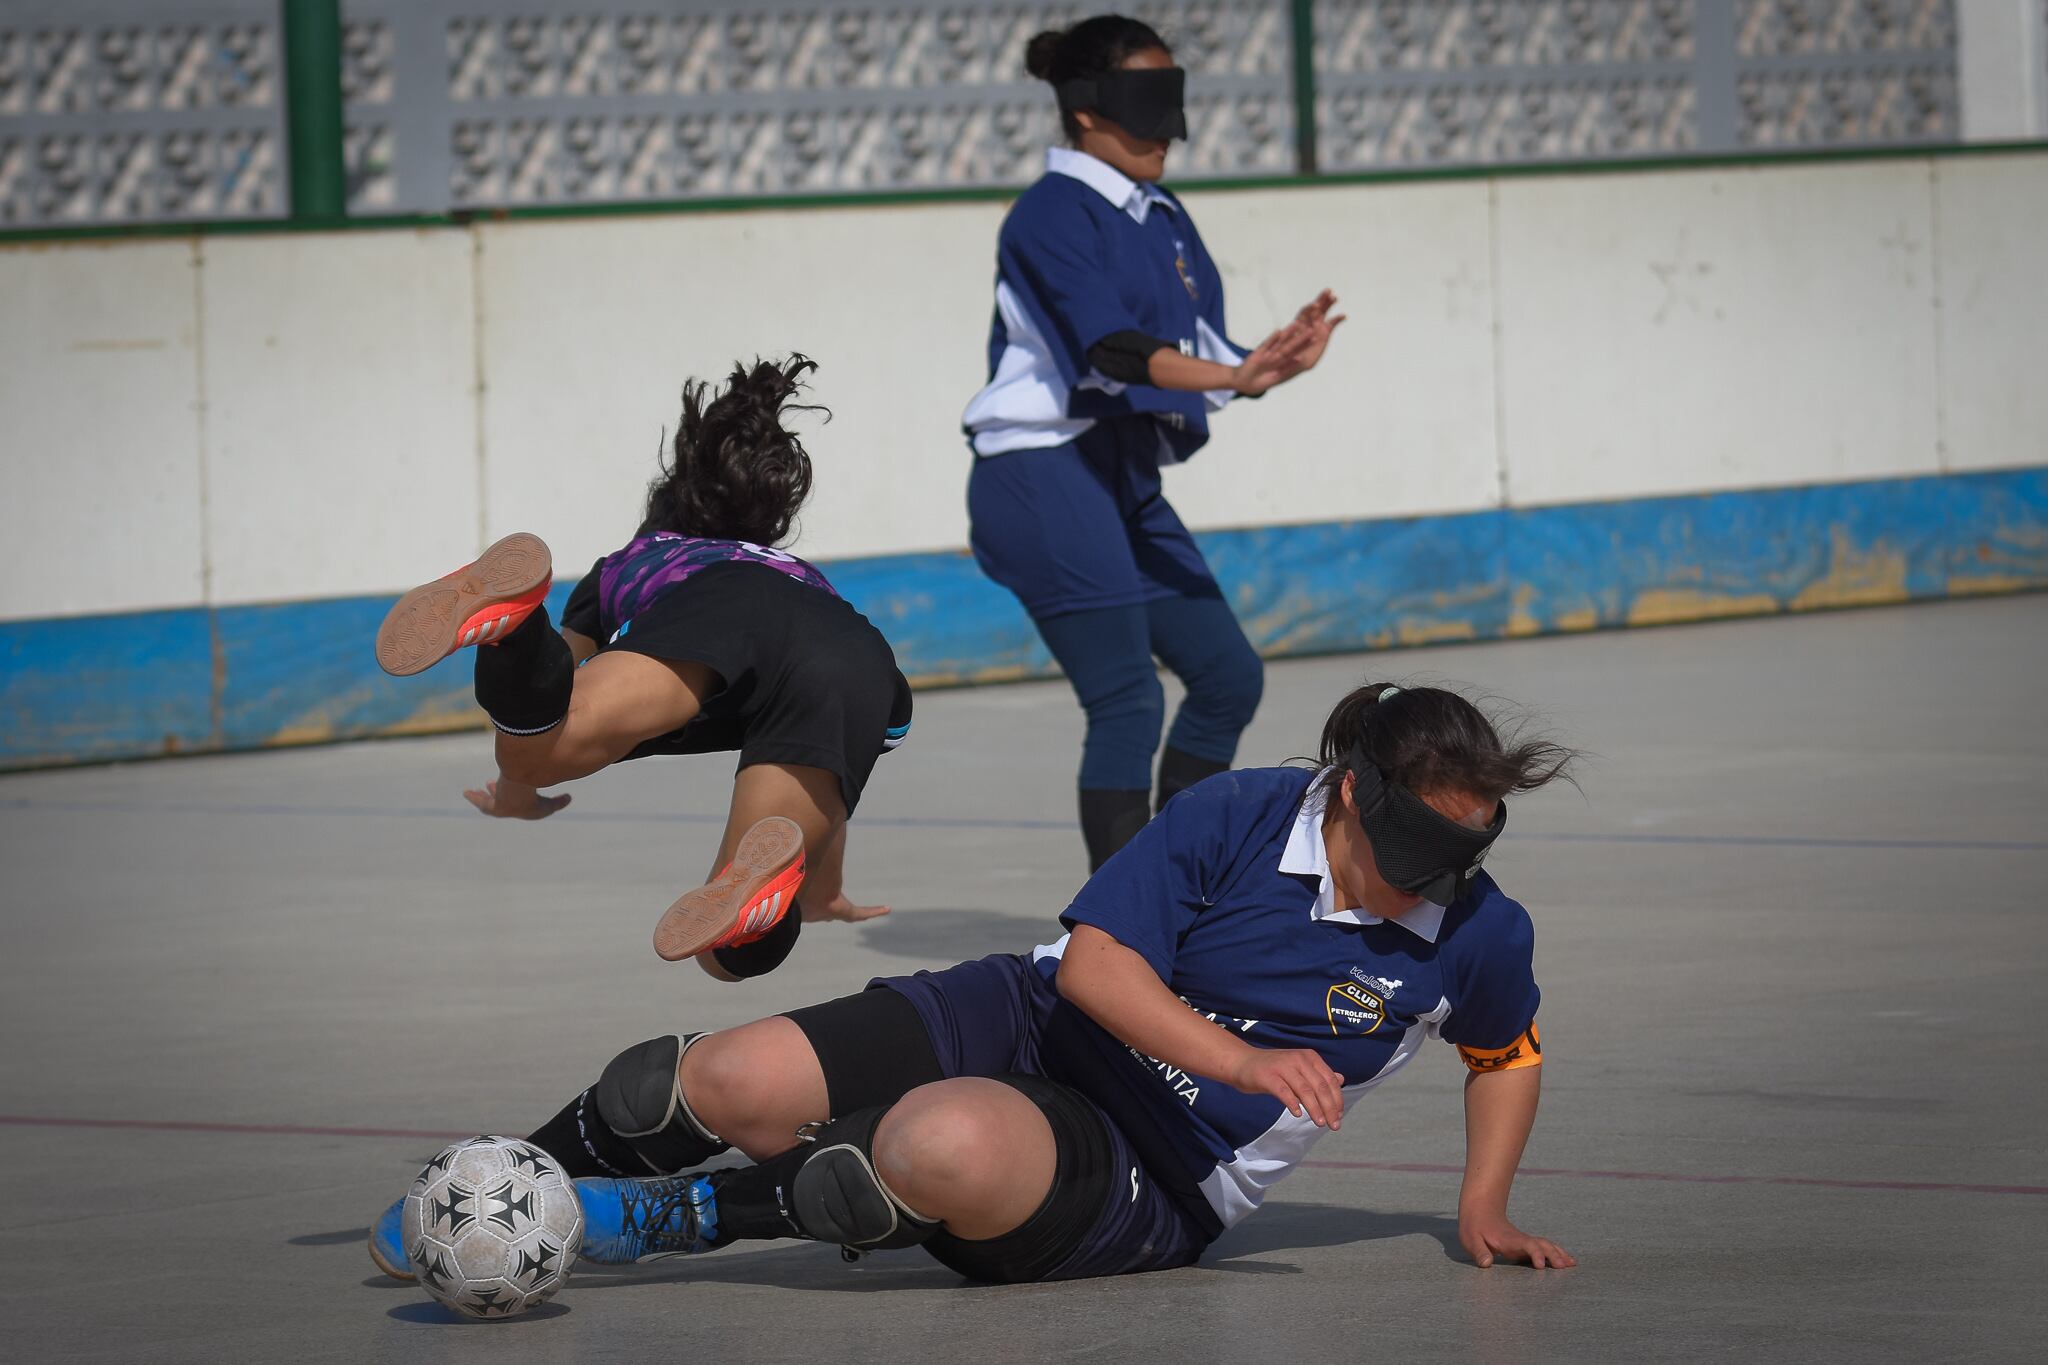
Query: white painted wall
[[1994, 314], [100, 483], [1400, 416], [1678, 331], [591, 325], [330, 414], [2002, 69], [340, 411]]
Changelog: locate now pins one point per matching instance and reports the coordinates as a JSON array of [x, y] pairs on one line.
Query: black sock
[[583, 1144], [1109, 819], [1179, 770], [753, 1200], [766, 953], [523, 681]]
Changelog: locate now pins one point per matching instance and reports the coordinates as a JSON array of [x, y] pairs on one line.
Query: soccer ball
[[492, 1226]]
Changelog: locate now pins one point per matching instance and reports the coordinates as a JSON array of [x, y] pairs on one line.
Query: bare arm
[[1269, 364], [1291, 350], [1500, 1109], [1167, 368], [512, 799], [1117, 988], [619, 700]]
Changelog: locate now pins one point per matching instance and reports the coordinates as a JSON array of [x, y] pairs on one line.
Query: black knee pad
[[640, 1098], [838, 1196]]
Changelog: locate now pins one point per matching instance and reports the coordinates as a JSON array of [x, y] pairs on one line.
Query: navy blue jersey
[[1226, 894], [1084, 254]]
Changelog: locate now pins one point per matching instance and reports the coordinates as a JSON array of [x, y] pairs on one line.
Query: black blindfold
[[1147, 103], [1416, 849]]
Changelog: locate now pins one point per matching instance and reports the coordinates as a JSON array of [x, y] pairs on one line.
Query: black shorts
[[804, 678], [1104, 1214]]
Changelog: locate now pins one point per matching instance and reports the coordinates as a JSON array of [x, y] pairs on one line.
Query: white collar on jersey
[[1134, 197], [1307, 856]]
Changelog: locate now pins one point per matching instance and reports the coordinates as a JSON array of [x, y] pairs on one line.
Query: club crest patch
[[1352, 1009]]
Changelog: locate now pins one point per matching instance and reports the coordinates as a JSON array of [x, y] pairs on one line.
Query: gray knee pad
[[640, 1098], [838, 1196]]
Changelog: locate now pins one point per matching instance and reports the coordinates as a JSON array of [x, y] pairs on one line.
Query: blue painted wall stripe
[[84, 688], [91, 687]]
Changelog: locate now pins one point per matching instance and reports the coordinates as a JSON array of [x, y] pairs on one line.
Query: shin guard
[[825, 1188], [837, 1195], [640, 1098]]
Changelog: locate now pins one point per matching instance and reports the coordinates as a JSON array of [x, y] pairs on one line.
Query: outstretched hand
[[514, 801], [1318, 309], [1272, 361], [1314, 316], [842, 909], [1494, 1238], [1293, 348]]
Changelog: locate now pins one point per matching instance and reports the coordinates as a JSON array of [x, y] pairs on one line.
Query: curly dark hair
[[738, 474], [1430, 739]]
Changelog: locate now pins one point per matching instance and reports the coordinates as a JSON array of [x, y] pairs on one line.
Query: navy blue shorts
[[1084, 525], [1106, 1213]]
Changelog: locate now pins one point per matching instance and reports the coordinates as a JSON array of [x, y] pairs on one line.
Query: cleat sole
[[428, 624], [769, 861]]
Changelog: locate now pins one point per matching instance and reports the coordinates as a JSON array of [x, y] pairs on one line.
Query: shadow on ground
[[949, 936], [1277, 1227], [330, 1239], [1288, 1227], [427, 1313]]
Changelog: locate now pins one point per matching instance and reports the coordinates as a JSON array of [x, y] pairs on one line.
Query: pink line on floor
[[1401, 1167], [1824, 1182], [275, 1129]]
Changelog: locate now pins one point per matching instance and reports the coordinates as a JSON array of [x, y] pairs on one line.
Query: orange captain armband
[[1526, 1050]]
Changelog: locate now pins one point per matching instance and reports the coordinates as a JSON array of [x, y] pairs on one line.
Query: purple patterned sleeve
[[649, 565]]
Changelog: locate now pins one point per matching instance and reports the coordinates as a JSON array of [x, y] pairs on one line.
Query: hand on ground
[[514, 801], [1489, 1239], [840, 908]]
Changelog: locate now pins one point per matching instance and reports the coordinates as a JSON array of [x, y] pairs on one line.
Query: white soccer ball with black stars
[[492, 1226]]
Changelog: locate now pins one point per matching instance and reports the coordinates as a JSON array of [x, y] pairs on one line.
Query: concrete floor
[[1791, 940]]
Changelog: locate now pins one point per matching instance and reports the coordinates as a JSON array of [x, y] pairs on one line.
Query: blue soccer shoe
[[623, 1221], [636, 1220], [387, 1245]]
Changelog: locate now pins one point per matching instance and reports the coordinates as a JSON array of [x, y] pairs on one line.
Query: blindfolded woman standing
[[1107, 354]]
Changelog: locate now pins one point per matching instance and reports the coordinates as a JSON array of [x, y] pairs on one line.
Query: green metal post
[[1305, 86], [312, 67]]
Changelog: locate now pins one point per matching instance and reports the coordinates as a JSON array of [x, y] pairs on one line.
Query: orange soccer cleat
[[747, 898], [476, 605]]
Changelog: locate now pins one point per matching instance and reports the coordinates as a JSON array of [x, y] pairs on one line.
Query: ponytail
[[1430, 739]]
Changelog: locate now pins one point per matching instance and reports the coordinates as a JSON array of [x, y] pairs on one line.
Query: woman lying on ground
[[1272, 946]]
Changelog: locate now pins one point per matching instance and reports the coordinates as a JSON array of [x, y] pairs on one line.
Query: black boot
[[1109, 819], [1179, 770]]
